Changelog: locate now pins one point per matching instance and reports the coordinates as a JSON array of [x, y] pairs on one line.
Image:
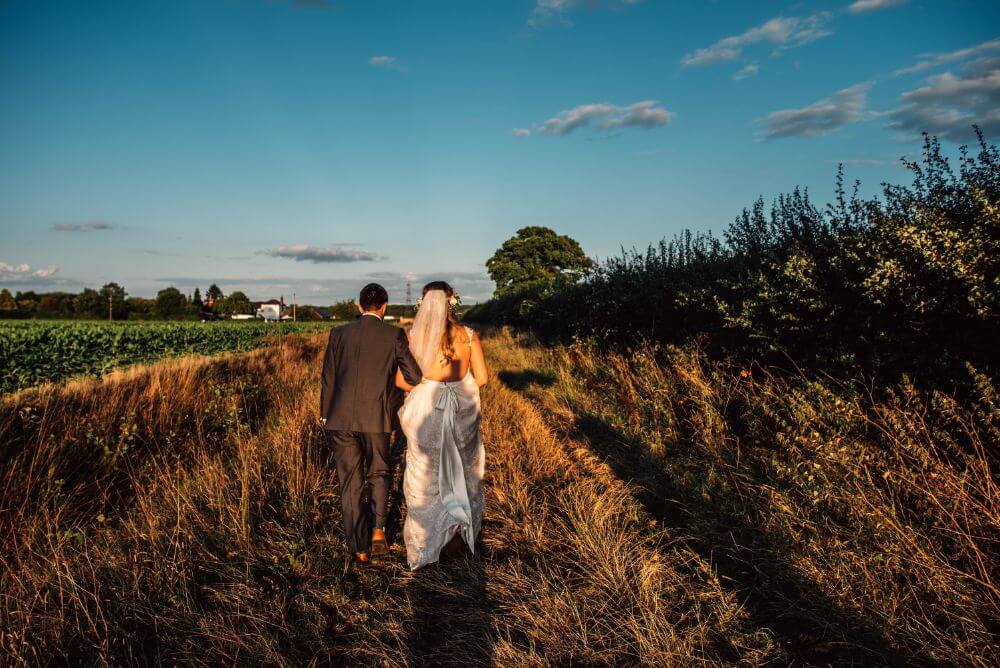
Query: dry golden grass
[[649, 509], [858, 529], [180, 513]]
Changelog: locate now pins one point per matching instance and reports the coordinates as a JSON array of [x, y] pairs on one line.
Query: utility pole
[[111, 314], [293, 307], [409, 297]]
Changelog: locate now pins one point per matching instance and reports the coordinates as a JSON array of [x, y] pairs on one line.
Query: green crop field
[[33, 351]]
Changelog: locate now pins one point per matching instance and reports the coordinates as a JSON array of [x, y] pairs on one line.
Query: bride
[[443, 482]]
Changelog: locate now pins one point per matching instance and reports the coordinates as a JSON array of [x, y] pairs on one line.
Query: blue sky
[[310, 146]]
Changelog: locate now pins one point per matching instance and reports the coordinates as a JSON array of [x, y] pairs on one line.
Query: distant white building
[[271, 310], [243, 316]]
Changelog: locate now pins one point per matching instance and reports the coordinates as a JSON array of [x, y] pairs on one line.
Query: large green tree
[[170, 303], [56, 305], [27, 302], [90, 304], [116, 294], [344, 310], [7, 302], [236, 303], [140, 308], [536, 254]]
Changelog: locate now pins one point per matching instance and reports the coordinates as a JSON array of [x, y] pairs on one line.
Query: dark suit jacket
[[359, 375]]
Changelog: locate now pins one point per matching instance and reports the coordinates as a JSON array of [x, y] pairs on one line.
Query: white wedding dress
[[443, 482]]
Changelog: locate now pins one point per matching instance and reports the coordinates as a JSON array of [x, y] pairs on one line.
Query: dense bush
[[908, 282]]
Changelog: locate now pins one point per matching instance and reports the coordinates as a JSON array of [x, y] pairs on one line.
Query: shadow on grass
[[810, 627], [452, 616], [522, 380], [452, 610], [397, 469]]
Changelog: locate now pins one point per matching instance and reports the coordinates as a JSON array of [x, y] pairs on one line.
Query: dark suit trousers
[[363, 469]]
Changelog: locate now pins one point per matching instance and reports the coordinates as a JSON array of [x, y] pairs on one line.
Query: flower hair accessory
[[455, 301]]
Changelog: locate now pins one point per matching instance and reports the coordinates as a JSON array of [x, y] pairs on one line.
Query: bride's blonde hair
[[448, 337]]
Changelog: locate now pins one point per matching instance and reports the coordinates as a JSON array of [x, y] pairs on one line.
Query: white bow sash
[[451, 479]]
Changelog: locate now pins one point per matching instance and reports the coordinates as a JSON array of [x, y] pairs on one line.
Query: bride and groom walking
[[441, 367]]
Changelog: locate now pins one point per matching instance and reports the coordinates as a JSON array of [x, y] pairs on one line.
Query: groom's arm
[[405, 361], [328, 378]]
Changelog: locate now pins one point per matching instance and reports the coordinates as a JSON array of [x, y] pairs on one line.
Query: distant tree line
[[112, 302], [908, 282]]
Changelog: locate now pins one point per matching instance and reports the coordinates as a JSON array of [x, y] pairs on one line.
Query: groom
[[356, 405]]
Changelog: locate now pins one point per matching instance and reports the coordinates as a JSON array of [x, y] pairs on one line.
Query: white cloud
[[521, 132], [83, 227], [781, 32], [861, 6], [19, 274], [546, 11], [949, 104], [387, 62], [554, 11], [861, 162], [604, 116], [930, 61], [746, 71], [320, 254], [821, 117]]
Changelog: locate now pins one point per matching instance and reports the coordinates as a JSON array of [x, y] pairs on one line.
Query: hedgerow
[[906, 282]]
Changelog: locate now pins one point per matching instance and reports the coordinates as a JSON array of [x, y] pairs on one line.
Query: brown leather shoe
[[380, 547]]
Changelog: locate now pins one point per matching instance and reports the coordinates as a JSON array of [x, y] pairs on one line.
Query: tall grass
[[183, 513], [858, 528], [122, 496]]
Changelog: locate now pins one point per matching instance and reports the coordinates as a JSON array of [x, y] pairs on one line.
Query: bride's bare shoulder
[[463, 333]]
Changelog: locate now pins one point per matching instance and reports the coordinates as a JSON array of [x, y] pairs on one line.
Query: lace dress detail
[[445, 464]]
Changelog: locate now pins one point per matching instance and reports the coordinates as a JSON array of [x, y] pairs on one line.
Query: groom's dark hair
[[373, 296]]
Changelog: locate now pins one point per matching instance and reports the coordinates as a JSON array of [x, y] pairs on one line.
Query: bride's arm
[[478, 362]]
